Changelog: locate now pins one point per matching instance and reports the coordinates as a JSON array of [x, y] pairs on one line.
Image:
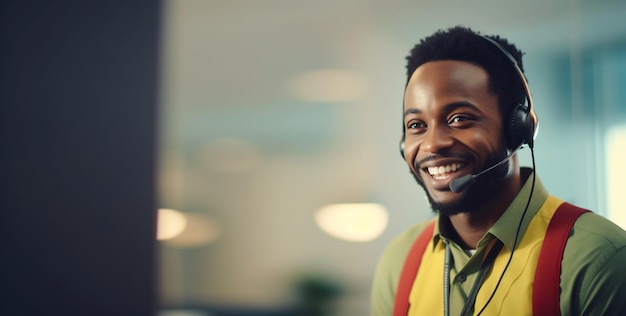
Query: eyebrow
[[412, 111], [447, 108]]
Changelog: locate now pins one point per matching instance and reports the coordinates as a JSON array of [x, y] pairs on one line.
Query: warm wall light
[[616, 174], [358, 222], [181, 229], [171, 223], [200, 230]]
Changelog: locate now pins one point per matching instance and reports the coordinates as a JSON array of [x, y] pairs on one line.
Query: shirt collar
[[507, 225]]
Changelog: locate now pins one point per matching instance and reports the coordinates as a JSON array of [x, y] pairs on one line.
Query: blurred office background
[[280, 177], [266, 133]]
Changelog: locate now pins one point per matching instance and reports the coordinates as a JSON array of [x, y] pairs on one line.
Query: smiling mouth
[[445, 171]]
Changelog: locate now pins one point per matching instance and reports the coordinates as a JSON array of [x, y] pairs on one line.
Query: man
[[467, 110]]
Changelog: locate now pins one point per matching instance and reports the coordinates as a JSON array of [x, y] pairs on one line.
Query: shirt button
[[462, 277]]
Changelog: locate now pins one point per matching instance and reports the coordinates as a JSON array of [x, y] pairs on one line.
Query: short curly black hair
[[464, 44]]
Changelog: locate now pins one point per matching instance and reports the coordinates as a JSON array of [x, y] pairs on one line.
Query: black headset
[[522, 124]]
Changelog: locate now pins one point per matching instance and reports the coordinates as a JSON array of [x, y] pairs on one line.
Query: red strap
[[409, 272], [546, 287]]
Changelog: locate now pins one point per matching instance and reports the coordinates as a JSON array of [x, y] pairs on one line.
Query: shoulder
[[389, 268], [602, 230], [399, 247], [592, 265], [595, 236]]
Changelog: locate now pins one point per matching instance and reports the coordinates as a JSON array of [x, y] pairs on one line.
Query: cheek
[[410, 153], [480, 141], [487, 142]]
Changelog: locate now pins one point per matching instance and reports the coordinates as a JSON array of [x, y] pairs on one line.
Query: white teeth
[[440, 170]]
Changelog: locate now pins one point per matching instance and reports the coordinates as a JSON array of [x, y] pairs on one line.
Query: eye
[[460, 120], [415, 126]]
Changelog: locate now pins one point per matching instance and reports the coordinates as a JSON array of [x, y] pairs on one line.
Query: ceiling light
[[328, 85], [358, 222]]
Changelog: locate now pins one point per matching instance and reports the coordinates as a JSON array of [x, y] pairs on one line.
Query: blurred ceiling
[[225, 58]]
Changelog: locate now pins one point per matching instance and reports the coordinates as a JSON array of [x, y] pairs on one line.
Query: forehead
[[447, 81]]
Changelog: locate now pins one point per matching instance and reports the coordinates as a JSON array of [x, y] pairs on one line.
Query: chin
[[472, 199], [452, 207]]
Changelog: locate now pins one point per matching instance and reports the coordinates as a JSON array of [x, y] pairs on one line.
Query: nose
[[436, 139]]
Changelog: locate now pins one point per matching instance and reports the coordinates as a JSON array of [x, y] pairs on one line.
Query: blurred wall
[[78, 88]]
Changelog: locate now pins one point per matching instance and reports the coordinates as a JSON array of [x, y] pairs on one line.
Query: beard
[[486, 186]]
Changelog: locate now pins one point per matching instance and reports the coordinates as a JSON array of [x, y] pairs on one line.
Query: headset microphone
[[459, 185]]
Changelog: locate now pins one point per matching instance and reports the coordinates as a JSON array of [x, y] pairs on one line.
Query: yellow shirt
[[515, 289], [592, 281]]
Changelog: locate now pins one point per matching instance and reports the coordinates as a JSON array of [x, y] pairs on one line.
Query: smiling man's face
[[453, 128]]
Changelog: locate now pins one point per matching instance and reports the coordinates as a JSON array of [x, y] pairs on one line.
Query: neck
[[472, 225], [470, 229]]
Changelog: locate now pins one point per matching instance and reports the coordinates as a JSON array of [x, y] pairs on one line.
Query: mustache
[[420, 162]]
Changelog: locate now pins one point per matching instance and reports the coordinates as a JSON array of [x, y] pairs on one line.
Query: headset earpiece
[[521, 127], [522, 121]]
